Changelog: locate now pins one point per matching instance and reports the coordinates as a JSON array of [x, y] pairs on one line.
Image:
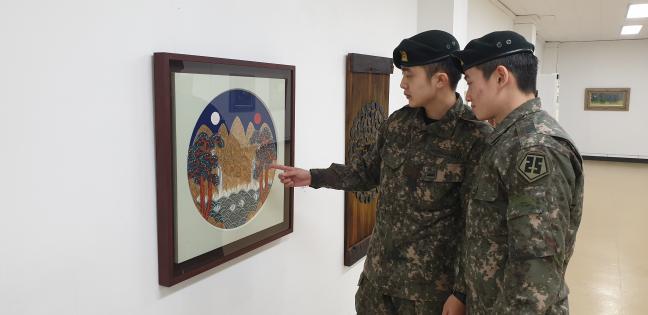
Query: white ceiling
[[579, 20]]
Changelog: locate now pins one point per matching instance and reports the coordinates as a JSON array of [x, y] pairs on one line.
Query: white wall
[[539, 51], [484, 17], [435, 14], [598, 65], [549, 58], [78, 230]]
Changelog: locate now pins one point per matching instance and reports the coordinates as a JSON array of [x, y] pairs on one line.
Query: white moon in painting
[[215, 118]]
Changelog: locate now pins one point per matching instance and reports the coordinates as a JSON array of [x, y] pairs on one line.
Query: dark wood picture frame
[[367, 84], [165, 65], [592, 104]]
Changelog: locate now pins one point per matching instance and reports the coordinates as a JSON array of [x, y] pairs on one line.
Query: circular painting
[[231, 147]]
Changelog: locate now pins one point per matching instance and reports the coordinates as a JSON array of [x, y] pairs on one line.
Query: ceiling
[[579, 20]]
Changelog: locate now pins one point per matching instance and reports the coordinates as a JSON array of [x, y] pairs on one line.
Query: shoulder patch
[[533, 166]]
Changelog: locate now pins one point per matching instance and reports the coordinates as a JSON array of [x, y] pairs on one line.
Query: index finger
[[281, 167]]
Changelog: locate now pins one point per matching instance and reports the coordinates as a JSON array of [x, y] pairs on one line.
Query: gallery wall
[[484, 17], [539, 51], [604, 64], [78, 231]]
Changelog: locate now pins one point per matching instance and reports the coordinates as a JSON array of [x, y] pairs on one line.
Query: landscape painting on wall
[[227, 164], [220, 123], [607, 99]]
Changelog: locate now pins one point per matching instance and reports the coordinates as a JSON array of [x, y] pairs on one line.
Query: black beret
[[425, 48], [492, 46]]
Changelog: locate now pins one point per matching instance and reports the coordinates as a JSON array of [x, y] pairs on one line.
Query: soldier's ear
[[442, 79], [503, 75]]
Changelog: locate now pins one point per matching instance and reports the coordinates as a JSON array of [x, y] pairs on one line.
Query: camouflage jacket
[[418, 169], [522, 216]]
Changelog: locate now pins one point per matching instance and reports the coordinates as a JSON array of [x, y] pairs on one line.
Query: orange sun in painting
[[257, 118]]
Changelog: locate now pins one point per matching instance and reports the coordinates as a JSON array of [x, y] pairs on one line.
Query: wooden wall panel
[[367, 105]]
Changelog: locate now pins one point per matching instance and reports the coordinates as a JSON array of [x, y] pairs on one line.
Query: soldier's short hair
[[447, 66], [524, 68]]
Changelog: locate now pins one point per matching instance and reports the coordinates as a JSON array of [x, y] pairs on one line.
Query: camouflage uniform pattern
[[371, 300], [522, 217], [418, 169]]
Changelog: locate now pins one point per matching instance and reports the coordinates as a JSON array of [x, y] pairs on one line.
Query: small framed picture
[[607, 99]]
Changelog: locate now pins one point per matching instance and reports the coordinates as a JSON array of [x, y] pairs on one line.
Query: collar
[[529, 107], [445, 126]]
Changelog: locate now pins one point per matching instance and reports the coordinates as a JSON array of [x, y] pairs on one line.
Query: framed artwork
[[367, 106], [607, 99], [219, 123]]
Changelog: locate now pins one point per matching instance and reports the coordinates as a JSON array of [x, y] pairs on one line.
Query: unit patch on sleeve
[[533, 166]]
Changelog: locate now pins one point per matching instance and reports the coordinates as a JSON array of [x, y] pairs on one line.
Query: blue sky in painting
[[229, 105]]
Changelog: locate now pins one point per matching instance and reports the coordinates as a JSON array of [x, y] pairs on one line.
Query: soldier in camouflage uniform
[[418, 164], [526, 202]]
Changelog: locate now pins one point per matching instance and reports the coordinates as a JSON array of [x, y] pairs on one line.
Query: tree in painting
[[266, 154], [202, 167]]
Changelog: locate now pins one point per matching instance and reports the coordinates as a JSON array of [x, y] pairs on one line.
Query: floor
[[608, 273]]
